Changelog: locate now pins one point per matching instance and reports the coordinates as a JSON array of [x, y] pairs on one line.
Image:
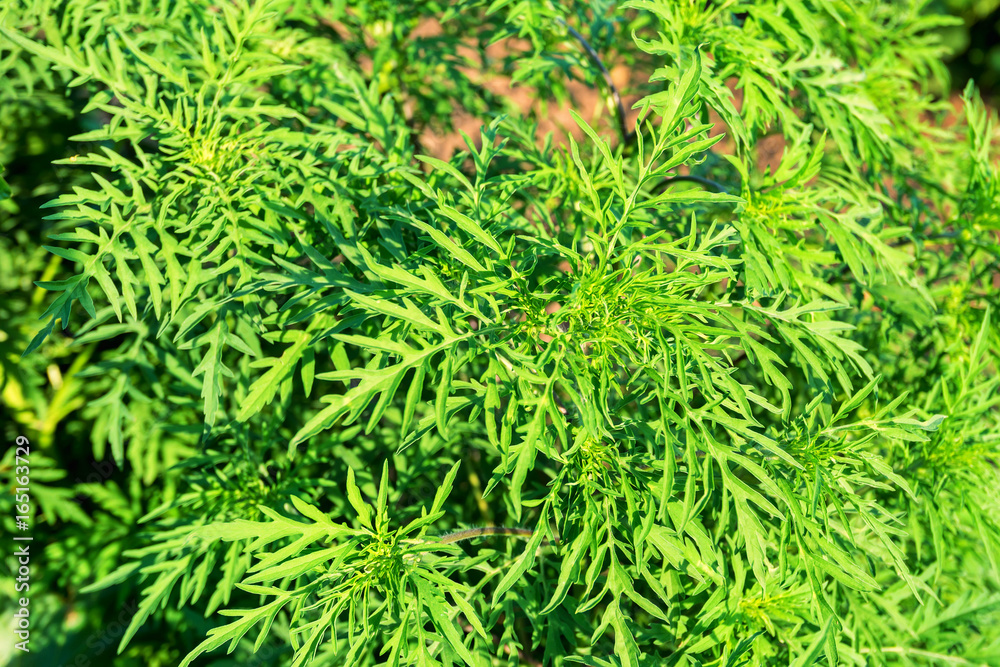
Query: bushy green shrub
[[716, 385]]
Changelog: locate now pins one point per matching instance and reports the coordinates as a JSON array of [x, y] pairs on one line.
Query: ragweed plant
[[705, 375]]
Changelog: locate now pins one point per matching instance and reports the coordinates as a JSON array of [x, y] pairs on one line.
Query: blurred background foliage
[[74, 483], [975, 44]]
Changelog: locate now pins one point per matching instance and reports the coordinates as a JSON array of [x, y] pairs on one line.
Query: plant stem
[[596, 59], [479, 531], [470, 533]]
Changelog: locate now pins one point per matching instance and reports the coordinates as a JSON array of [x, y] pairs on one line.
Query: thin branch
[[470, 533], [627, 135], [612, 88]]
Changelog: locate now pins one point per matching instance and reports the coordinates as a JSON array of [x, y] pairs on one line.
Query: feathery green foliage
[[644, 391]]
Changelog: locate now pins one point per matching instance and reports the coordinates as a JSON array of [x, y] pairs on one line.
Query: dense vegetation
[[707, 380]]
